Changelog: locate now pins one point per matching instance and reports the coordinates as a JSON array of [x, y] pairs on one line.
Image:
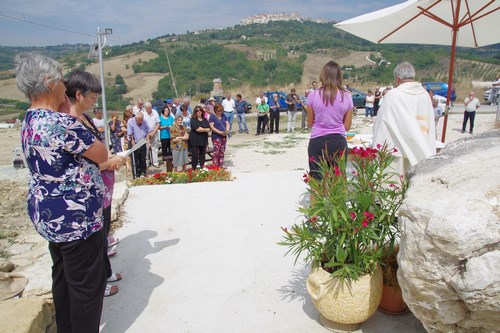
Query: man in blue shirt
[[138, 129], [241, 107]]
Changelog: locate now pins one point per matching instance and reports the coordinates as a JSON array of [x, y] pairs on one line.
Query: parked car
[[487, 95], [358, 98], [281, 99], [439, 88], [158, 105]]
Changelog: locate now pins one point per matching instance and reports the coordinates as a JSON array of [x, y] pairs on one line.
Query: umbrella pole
[[452, 67]]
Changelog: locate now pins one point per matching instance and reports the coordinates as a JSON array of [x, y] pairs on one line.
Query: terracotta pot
[[343, 302], [392, 302]]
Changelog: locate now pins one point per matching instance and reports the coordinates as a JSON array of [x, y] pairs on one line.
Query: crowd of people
[[73, 174]]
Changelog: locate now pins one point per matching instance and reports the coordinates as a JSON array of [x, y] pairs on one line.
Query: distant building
[[266, 18]]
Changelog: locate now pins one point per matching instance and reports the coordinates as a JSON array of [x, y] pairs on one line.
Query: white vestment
[[406, 121]]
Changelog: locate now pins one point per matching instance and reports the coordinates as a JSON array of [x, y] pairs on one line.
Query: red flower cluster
[[369, 153], [305, 178], [368, 217]]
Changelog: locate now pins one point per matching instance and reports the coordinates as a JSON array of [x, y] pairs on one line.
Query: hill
[[255, 57]]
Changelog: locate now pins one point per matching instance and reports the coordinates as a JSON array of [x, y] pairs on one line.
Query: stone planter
[[344, 306]]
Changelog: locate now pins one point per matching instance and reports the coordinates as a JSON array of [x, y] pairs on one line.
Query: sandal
[[110, 290], [115, 277], [112, 241], [111, 252]]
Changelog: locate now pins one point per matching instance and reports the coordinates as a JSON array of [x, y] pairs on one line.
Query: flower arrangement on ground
[[352, 216], [210, 173]]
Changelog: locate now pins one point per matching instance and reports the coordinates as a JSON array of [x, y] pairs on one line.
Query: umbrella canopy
[[466, 23]]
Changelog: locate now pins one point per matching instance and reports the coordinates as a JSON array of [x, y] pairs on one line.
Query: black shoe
[[470, 132], [257, 134], [463, 131]]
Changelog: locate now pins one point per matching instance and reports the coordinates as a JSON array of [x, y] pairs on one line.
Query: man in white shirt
[[98, 121], [471, 104], [259, 99], [138, 107], [153, 120], [229, 106], [495, 86], [406, 121]]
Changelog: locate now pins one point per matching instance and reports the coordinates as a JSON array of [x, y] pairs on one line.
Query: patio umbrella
[[465, 23]]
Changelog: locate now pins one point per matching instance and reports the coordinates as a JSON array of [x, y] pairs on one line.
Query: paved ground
[[204, 258]]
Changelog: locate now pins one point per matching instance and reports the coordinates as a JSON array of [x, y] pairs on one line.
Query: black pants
[[275, 121], [140, 161], [165, 147], [78, 283], [328, 147], [261, 124], [467, 116], [198, 156], [107, 227]]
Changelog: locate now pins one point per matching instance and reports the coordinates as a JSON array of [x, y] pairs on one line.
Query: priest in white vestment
[[406, 120]]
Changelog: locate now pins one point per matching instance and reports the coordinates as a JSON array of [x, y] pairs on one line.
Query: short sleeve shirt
[[176, 131], [219, 124], [168, 121], [66, 190], [329, 119]]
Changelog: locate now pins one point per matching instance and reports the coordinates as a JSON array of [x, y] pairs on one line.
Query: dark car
[[439, 88], [358, 98], [158, 105], [281, 99]]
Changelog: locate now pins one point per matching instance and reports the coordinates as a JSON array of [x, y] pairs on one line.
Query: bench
[[168, 159]]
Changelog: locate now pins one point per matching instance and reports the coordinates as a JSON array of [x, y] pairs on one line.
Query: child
[[178, 143]]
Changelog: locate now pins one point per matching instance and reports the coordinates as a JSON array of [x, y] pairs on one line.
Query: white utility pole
[[101, 41]]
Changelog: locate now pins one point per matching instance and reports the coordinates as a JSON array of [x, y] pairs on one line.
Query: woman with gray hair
[[65, 194]]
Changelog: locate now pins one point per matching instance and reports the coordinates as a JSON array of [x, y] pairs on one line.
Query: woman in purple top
[[329, 115], [220, 130], [65, 194]]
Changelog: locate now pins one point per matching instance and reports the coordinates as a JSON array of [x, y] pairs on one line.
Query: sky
[[55, 22]]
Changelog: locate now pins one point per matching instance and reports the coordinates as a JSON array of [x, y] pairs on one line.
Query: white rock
[[450, 231]]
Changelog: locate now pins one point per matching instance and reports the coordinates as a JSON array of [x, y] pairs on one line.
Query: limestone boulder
[[27, 315], [449, 260]]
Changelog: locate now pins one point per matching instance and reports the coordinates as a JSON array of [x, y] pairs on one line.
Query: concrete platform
[[204, 258]]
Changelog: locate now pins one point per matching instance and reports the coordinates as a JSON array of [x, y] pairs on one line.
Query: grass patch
[[273, 152]]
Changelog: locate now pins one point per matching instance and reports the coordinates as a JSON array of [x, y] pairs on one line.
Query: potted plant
[[350, 222], [392, 301]]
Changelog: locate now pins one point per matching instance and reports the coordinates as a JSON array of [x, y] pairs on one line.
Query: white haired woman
[[65, 194]]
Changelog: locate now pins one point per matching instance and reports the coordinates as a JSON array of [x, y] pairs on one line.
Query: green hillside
[[268, 54]]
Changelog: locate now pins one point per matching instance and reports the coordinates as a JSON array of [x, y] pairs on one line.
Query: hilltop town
[[266, 18]]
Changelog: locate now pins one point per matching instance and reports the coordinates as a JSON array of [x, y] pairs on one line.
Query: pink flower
[[337, 171], [379, 146], [364, 223], [394, 150], [305, 178], [311, 158], [352, 215], [314, 219], [369, 215]]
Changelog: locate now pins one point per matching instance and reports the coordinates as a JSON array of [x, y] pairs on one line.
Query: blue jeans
[[368, 112], [230, 117], [242, 123]]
